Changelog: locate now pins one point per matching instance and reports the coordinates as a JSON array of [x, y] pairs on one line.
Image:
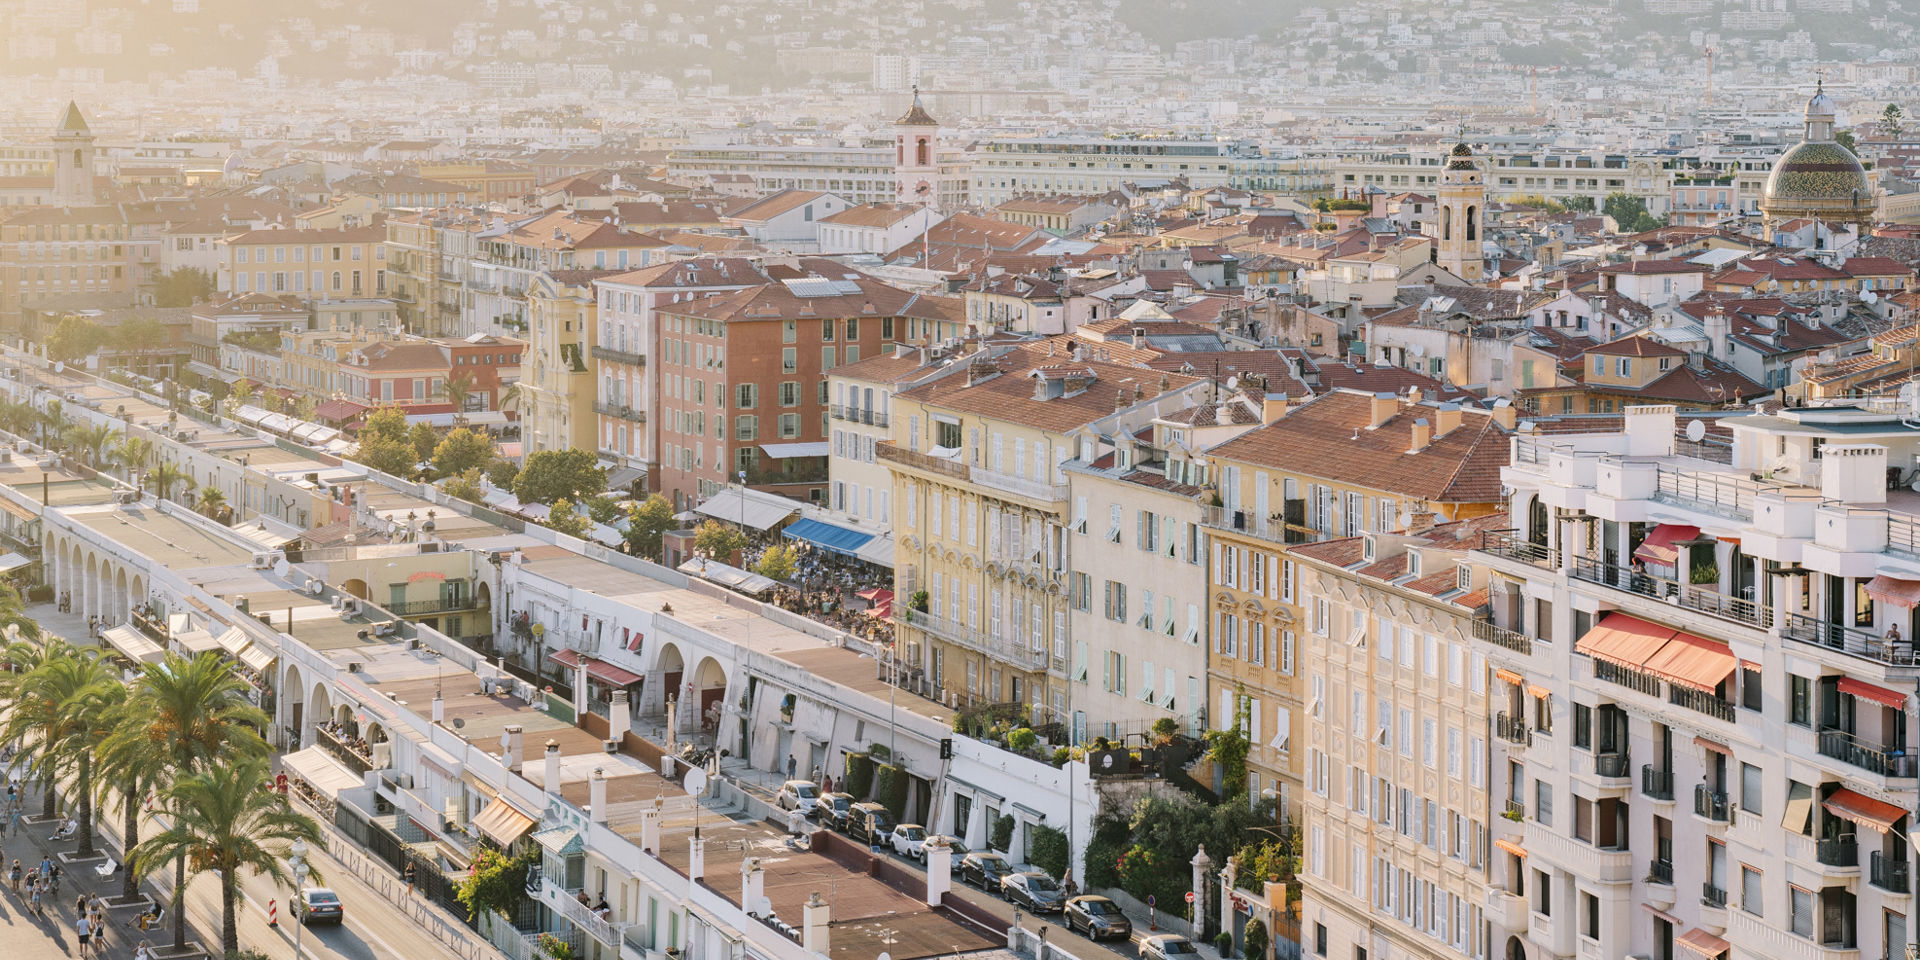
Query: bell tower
[[916, 163], [1463, 201], [73, 161]]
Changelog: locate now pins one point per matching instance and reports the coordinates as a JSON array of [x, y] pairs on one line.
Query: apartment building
[[981, 514], [862, 392], [1705, 669], [253, 316], [502, 260], [1137, 544], [1005, 168], [556, 386], [48, 252], [344, 261], [628, 335], [863, 171], [1395, 738], [1528, 170], [1339, 466]]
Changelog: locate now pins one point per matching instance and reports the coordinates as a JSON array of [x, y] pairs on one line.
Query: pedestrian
[[33, 897], [82, 928], [409, 878], [15, 877], [792, 765], [145, 951], [52, 874]]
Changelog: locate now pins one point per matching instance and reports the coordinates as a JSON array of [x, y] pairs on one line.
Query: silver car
[[801, 795], [1167, 946]]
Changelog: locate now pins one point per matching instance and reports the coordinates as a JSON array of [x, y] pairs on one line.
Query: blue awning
[[826, 536]]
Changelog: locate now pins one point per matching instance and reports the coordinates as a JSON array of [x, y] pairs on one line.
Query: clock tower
[[916, 163]]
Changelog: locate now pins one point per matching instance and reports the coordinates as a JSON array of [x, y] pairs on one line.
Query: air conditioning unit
[[413, 643], [262, 561], [352, 605], [611, 746], [339, 600], [346, 616], [354, 666], [124, 496]]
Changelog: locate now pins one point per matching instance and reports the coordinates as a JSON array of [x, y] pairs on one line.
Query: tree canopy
[[1630, 212], [462, 450], [554, 474], [183, 287], [646, 524]]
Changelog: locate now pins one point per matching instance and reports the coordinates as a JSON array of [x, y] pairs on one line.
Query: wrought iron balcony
[[1892, 876], [1690, 596], [1013, 652], [1611, 765], [1851, 641], [1837, 853], [890, 451], [1869, 756], [1519, 643], [1712, 896], [1710, 805], [1512, 729], [1505, 543], [622, 411], [618, 356], [1660, 871], [1657, 784]]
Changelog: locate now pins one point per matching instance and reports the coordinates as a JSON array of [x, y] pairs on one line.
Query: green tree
[[502, 473], [185, 717], [1253, 940], [717, 541], [1537, 201], [646, 523], [13, 618], [391, 457], [564, 518], [603, 509], [1582, 203], [1051, 853], [1891, 118], [241, 395], [387, 423], [778, 563], [462, 450], [424, 440], [456, 390], [465, 485], [142, 336], [73, 338], [553, 474], [1630, 212], [226, 820], [211, 501], [183, 287], [497, 883], [56, 710], [93, 438], [165, 477], [1228, 750]]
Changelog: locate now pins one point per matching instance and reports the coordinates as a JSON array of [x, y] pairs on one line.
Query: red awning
[[339, 409], [1706, 744], [1659, 548], [1511, 847], [598, 669], [1895, 591], [877, 594], [1623, 640], [1693, 662], [1864, 810], [1880, 695], [1702, 942]]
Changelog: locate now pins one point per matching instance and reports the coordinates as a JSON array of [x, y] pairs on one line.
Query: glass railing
[[1690, 596]]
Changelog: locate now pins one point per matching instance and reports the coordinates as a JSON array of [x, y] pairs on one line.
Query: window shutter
[[1218, 571]]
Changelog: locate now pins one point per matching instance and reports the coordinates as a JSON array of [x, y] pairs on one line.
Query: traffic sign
[[1189, 896]]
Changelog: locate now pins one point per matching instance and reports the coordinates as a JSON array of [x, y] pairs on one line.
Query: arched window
[[1536, 522], [76, 159], [921, 153], [1446, 223], [1473, 224], [336, 279]]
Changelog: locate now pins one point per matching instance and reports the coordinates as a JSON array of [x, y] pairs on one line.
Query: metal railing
[[1710, 805], [437, 605], [1519, 643], [1874, 758], [1516, 809], [843, 411], [1252, 524], [622, 411], [1627, 677], [618, 356], [350, 757], [1837, 853], [1903, 535], [1657, 784], [1506, 543], [1512, 729], [1020, 486], [1611, 765], [1851, 641], [1011, 652], [1712, 896], [1725, 492], [888, 450], [1701, 701], [1707, 601], [1893, 876], [1660, 871]]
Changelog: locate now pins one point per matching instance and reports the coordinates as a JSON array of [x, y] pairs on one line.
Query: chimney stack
[[1422, 435], [1385, 405], [753, 885], [516, 757], [597, 796], [650, 828], [552, 772], [439, 709], [814, 919], [1449, 417], [619, 717]]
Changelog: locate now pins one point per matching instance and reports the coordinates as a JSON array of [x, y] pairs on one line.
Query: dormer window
[[1367, 550], [1666, 363], [1413, 563], [1464, 582]]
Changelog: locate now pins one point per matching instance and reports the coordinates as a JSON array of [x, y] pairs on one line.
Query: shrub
[[859, 778], [1002, 836], [1223, 942], [496, 883], [1164, 729], [890, 788], [1021, 740], [1254, 939], [1061, 755], [918, 601], [1051, 852]]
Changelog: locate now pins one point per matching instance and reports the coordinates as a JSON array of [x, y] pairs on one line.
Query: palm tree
[[55, 709], [166, 476], [187, 717], [52, 419], [225, 820], [455, 390], [129, 770], [17, 417], [14, 619], [94, 438], [510, 397], [133, 453], [211, 500]]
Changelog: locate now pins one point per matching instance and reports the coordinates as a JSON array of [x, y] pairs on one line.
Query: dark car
[[1098, 917], [319, 905], [831, 810], [984, 870], [1034, 890], [869, 823]]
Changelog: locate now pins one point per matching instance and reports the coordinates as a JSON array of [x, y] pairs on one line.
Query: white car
[[1167, 946], [908, 839], [801, 795]]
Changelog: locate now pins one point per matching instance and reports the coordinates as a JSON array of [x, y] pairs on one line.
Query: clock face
[[922, 188]]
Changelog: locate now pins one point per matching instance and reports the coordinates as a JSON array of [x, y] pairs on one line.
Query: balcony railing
[[1657, 784], [1516, 809], [1504, 543], [1252, 524], [951, 631], [1710, 805], [1689, 596], [1837, 853], [1519, 643], [1722, 492], [414, 608], [618, 356], [1871, 757], [1712, 896], [622, 411], [346, 753], [1892, 876], [855, 414], [1851, 641], [1701, 701], [565, 903], [1020, 486], [888, 450], [1627, 677], [1611, 765], [1512, 729], [1660, 871]]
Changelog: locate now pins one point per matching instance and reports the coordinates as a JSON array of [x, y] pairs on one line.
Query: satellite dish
[[280, 567], [59, 366], [764, 905], [458, 723], [506, 740], [695, 781], [1696, 430]]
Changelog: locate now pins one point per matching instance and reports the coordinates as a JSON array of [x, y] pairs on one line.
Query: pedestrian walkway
[[71, 626]]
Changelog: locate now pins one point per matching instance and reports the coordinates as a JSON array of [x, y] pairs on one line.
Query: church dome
[[1461, 158], [917, 116], [1817, 177]]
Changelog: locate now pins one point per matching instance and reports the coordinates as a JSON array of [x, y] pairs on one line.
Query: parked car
[[1167, 946], [831, 810], [909, 839], [953, 843], [801, 795], [319, 905], [984, 870], [1034, 890], [1098, 917], [869, 823]]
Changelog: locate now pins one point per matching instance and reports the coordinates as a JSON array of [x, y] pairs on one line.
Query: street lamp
[[297, 859]]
